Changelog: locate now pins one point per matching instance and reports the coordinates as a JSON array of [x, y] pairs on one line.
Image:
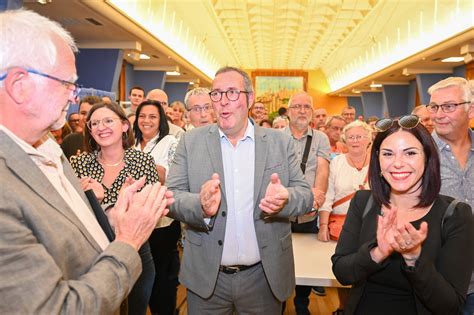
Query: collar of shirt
[[442, 145], [48, 153], [309, 132], [249, 132], [150, 144]]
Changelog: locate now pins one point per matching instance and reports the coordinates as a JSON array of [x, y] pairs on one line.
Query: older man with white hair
[[55, 256], [451, 108]]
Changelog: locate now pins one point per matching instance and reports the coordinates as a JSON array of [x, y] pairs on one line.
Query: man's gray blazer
[[198, 156], [49, 263]]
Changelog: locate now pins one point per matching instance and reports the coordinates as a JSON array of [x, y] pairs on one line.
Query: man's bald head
[[159, 96]]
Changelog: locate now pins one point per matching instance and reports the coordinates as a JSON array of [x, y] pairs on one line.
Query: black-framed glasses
[[406, 122], [446, 108], [232, 95], [72, 86], [200, 109]]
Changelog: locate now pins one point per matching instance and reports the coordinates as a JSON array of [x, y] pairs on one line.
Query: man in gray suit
[[54, 256], [236, 185]]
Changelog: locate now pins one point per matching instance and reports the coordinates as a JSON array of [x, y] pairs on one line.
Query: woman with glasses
[[152, 137], [347, 174], [404, 248], [108, 163]]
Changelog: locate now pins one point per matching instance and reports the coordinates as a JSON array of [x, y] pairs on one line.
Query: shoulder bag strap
[[306, 152]]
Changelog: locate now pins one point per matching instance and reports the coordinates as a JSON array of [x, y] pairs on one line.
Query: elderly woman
[[347, 174], [404, 248], [280, 122], [108, 164]]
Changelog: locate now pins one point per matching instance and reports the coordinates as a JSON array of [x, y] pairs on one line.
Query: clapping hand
[[136, 213], [276, 196], [88, 183], [210, 196]]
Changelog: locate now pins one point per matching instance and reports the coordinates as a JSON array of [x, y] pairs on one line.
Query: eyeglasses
[[301, 106], [200, 109], [232, 95], [107, 122], [355, 138], [446, 108], [74, 87], [406, 122]]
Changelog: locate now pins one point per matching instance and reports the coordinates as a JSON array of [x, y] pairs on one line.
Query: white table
[[313, 261]]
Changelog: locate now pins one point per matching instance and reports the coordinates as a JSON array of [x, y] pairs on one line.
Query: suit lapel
[[23, 166], [261, 151], [215, 153]]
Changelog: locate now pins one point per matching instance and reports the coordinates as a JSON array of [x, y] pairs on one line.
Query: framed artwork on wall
[[274, 88]]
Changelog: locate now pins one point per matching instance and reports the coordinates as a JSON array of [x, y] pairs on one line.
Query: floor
[[321, 305]]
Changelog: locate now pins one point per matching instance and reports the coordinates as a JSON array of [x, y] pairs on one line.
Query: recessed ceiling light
[[172, 73], [144, 57], [375, 85], [453, 59]]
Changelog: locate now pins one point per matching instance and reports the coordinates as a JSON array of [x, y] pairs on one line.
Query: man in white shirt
[[55, 256]]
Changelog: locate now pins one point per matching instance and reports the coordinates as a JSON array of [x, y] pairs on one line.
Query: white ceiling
[[351, 41]]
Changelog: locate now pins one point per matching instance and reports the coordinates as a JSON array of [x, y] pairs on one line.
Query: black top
[[436, 285], [71, 143]]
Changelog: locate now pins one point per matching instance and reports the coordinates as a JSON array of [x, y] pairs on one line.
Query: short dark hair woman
[[403, 256]]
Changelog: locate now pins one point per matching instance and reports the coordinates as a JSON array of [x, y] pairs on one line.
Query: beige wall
[[318, 88]]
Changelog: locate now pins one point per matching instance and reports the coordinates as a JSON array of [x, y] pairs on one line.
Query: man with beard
[[312, 150]]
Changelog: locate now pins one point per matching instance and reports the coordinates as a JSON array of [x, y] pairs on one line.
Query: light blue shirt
[[240, 242]]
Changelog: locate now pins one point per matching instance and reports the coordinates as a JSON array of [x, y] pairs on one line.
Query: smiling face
[[402, 161], [109, 129], [149, 121], [231, 115]]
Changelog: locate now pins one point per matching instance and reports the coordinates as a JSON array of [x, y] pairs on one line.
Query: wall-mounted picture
[[275, 91]]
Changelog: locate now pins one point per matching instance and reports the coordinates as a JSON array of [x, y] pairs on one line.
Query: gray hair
[[29, 40], [195, 91], [355, 124], [247, 81], [460, 82], [280, 118], [332, 118]]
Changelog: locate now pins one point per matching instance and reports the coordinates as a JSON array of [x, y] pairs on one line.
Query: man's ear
[[470, 111], [250, 99], [18, 85]]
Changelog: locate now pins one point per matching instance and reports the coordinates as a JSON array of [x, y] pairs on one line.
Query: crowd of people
[[93, 212]]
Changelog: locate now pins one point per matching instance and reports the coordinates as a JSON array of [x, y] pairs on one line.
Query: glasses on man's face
[[306, 107], [406, 122], [232, 95], [74, 87], [355, 138], [107, 122], [200, 109], [446, 108]]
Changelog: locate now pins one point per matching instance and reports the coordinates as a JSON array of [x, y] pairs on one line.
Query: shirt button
[[224, 214], [219, 242]]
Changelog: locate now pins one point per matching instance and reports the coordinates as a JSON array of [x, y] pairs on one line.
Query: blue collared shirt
[[240, 242], [456, 182]]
